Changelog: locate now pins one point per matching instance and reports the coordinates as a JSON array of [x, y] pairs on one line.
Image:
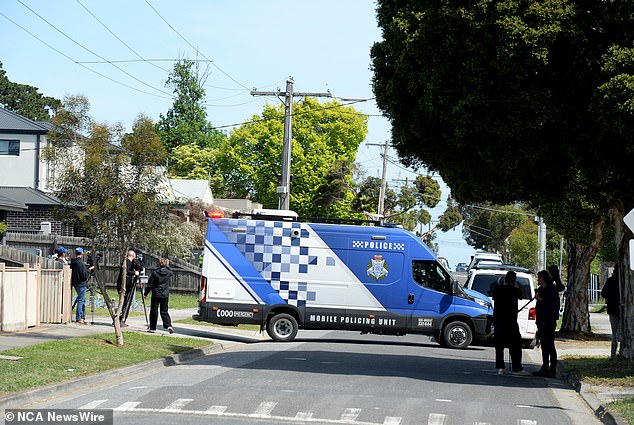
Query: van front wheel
[[457, 335], [282, 327]]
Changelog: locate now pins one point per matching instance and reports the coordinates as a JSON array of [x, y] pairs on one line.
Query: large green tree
[[110, 182], [26, 100], [517, 100], [185, 123]]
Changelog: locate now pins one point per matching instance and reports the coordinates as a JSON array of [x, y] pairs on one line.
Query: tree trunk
[[623, 235], [576, 314]]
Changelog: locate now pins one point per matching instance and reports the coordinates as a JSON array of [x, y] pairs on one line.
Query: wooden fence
[[186, 277], [32, 295]]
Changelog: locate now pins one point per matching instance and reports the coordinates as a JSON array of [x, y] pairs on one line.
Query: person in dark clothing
[[131, 271], [79, 279], [547, 314], [158, 284], [612, 294], [506, 329]]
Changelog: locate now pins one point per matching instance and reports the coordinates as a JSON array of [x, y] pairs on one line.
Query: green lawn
[[57, 361], [177, 302]]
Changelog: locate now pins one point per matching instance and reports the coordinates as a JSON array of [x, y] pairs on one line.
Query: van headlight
[[482, 302]]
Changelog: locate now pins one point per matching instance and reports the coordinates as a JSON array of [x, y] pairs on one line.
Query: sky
[[118, 53]]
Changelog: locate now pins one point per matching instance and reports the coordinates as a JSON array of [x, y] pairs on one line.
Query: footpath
[[224, 338]]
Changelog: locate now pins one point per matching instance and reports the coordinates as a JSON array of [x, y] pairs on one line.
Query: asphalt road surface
[[334, 378]]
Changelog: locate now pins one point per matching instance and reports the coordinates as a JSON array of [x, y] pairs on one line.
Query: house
[[24, 177], [190, 190], [21, 144]]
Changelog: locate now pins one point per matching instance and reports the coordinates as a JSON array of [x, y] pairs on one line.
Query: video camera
[[93, 258], [137, 264]]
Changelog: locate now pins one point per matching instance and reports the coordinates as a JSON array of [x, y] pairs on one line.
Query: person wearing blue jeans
[[79, 279]]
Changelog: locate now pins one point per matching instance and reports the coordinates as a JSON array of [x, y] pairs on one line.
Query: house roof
[[8, 204], [10, 122], [28, 196], [185, 190]]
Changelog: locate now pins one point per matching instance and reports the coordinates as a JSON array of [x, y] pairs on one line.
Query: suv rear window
[[484, 284]]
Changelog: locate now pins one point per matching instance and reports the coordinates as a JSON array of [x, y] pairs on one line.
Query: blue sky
[[324, 45]]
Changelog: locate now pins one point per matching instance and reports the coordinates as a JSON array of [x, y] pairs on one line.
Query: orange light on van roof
[[216, 214]]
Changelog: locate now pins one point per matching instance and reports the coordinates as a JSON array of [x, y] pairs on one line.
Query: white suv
[[483, 279], [489, 257]]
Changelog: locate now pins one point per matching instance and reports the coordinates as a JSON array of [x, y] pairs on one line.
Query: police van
[[284, 274]]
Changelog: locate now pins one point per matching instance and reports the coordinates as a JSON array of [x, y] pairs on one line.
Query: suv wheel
[[457, 335]]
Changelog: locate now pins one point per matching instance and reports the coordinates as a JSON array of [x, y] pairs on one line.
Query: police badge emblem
[[377, 268]]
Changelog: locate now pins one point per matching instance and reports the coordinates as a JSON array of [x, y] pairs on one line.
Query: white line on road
[[436, 419], [302, 416], [526, 422], [177, 404], [350, 415], [92, 404], [264, 409], [216, 410], [128, 405], [392, 420], [444, 400]]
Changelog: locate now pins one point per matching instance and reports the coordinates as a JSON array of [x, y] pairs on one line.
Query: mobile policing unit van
[[284, 274]]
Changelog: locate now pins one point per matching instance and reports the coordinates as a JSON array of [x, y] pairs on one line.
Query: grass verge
[[62, 360], [244, 327], [603, 371], [177, 302]]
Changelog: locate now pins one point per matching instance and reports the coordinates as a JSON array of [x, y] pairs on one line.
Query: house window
[[10, 147]]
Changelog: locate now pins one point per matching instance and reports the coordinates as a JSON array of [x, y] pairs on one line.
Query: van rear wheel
[[282, 327], [457, 335]]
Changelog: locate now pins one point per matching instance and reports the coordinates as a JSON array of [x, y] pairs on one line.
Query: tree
[[186, 122], [325, 141], [518, 101], [487, 226], [112, 189], [26, 100]]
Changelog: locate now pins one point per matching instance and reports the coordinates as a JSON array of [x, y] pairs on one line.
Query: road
[[334, 378]]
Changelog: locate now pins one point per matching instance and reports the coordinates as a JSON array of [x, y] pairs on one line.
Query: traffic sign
[[629, 220]]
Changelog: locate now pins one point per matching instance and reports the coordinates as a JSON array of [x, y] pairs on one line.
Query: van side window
[[429, 274]]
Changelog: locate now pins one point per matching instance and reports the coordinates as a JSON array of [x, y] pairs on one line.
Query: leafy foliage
[[186, 122], [26, 100]]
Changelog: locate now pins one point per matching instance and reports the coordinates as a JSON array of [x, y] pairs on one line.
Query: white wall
[[20, 170]]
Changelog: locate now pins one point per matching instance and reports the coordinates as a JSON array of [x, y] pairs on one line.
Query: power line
[[195, 48], [74, 61], [90, 51], [498, 210]]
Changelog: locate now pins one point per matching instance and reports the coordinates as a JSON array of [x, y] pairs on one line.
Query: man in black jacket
[[133, 267], [79, 279], [506, 329], [612, 295], [547, 314], [158, 284]]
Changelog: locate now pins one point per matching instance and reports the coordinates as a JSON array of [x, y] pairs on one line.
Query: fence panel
[[18, 298], [55, 295]]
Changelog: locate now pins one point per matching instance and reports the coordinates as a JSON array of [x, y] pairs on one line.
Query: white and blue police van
[[284, 274]]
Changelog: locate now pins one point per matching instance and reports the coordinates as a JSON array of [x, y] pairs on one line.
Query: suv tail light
[[531, 314]]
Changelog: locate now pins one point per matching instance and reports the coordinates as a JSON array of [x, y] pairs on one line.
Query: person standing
[[506, 329], [131, 271], [158, 284], [60, 255], [547, 314], [79, 279], [612, 294]]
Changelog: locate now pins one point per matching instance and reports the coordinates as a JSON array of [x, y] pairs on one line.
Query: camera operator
[[79, 279], [133, 267]]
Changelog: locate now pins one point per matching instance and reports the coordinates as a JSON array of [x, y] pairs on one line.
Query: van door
[[429, 295]]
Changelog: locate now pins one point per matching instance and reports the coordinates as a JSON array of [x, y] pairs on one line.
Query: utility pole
[[283, 190], [383, 188], [541, 242]]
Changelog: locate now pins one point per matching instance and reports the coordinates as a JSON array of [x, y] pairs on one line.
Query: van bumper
[[483, 326]]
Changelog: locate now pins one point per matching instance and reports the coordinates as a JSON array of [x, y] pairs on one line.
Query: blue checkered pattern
[[276, 255]]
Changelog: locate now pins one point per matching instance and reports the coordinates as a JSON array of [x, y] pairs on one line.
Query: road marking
[[128, 405], [302, 416], [139, 388], [302, 359], [526, 422], [444, 400], [216, 410], [392, 420], [92, 404], [350, 415], [481, 423], [436, 419], [264, 409], [177, 405]]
